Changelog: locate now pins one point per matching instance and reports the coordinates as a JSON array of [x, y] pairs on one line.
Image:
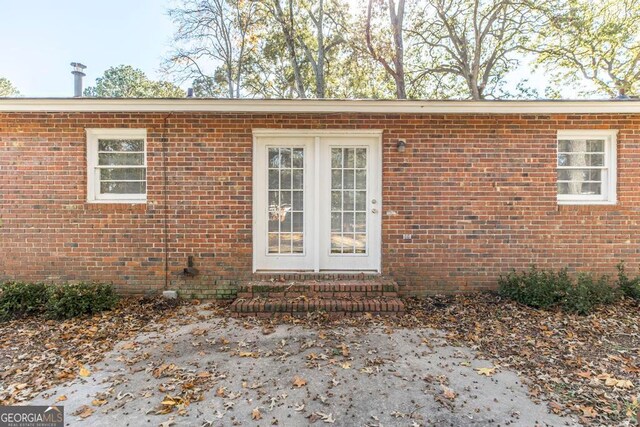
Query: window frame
[[609, 169], [93, 179]]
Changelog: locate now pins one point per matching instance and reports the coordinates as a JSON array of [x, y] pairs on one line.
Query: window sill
[[586, 203], [118, 202]]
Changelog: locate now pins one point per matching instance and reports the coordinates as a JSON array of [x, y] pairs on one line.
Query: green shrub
[[71, 300], [19, 299], [587, 293], [535, 288], [549, 289], [629, 287]]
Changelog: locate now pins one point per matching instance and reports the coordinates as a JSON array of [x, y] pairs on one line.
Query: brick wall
[[476, 192]]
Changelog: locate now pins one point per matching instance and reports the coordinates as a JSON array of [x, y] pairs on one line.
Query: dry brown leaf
[[84, 372], [486, 371], [256, 415], [61, 398], [299, 382], [448, 393], [588, 411], [84, 411], [98, 402], [129, 346]]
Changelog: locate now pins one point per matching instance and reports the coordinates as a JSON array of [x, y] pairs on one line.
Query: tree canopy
[[124, 81], [598, 41], [418, 49], [7, 89]]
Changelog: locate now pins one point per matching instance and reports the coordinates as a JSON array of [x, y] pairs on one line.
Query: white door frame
[[312, 189]]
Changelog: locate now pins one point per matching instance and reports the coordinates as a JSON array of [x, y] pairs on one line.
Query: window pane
[[361, 222], [580, 188], [297, 201], [120, 145], [361, 157], [360, 243], [121, 159], [273, 179], [579, 175], [349, 158], [298, 241], [336, 221], [336, 200], [285, 178], [347, 204], [274, 158], [361, 179], [361, 200], [285, 157], [297, 179], [595, 146], [297, 158], [286, 217], [349, 178], [582, 159], [122, 187], [285, 225], [581, 146], [336, 157], [336, 178], [122, 174], [298, 224]]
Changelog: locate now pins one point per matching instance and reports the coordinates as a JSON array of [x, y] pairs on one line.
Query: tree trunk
[[397, 19], [397, 71], [287, 30], [320, 85]]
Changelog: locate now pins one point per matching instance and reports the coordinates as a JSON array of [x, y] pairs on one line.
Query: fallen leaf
[[588, 411], [299, 382], [486, 371], [248, 354], [61, 398], [346, 365], [84, 411], [256, 415], [448, 393], [84, 372]]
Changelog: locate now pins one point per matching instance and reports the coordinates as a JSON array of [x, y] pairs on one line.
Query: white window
[[117, 165], [587, 167]]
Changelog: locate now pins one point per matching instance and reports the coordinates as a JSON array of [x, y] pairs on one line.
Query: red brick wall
[[477, 192]]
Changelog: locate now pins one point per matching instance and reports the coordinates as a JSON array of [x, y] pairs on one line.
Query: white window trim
[[93, 194], [610, 164]]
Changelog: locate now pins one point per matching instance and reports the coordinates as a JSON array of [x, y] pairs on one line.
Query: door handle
[[374, 210]]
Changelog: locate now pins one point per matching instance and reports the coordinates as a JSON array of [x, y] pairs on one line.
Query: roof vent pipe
[[78, 74]]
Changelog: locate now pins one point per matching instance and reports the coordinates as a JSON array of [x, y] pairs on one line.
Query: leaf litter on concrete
[[38, 353], [584, 366]]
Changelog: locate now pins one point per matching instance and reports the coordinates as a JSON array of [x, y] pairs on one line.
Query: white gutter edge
[[316, 106]]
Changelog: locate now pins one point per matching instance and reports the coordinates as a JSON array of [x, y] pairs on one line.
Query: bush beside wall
[[18, 299], [630, 287], [548, 289]]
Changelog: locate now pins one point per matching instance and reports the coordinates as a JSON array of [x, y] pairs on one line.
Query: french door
[[316, 200]]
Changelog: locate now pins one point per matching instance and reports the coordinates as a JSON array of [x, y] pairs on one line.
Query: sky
[[40, 38]]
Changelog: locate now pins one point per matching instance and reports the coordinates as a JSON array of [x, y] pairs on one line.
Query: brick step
[[300, 306], [329, 289]]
